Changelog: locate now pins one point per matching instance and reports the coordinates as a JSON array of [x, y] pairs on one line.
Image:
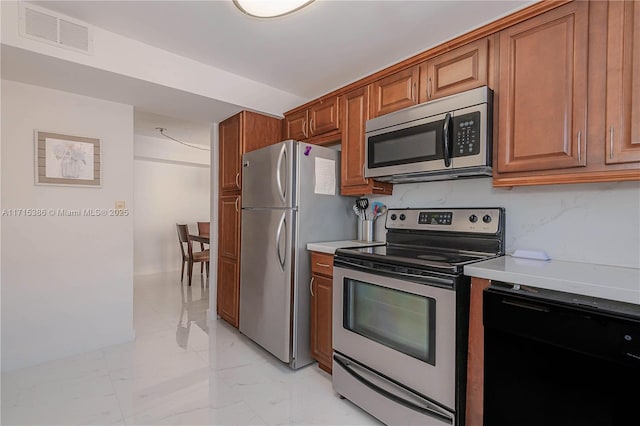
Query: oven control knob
[[486, 218], [473, 218], [394, 217], [402, 216]]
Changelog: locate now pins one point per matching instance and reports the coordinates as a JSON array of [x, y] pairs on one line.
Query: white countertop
[[607, 282], [330, 247]]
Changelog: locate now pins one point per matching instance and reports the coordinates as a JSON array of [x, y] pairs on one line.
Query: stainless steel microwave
[[443, 139]]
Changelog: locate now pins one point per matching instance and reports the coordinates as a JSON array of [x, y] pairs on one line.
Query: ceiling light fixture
[[270, 8]]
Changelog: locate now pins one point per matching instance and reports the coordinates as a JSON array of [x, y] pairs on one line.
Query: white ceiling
[[309, 53]]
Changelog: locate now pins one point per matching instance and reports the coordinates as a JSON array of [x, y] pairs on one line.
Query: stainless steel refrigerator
[[287, 202]]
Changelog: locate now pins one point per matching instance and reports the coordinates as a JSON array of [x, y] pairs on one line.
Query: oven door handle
[[440, 281], [430, 409]]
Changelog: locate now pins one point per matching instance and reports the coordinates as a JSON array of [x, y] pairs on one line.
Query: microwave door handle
[[446, 140]]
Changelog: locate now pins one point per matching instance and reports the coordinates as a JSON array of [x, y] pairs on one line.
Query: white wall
[[157, 149], [166, 194], [67, 282], [593, 223]]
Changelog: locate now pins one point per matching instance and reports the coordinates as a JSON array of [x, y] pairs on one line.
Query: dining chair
[[203, 229], [190, 257]]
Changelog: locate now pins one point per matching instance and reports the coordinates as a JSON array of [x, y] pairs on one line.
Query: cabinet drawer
[[322, 263]]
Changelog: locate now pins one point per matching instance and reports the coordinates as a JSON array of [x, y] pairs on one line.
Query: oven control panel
[[475, 220]]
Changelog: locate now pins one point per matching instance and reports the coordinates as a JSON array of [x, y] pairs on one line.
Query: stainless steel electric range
[[401, 314]]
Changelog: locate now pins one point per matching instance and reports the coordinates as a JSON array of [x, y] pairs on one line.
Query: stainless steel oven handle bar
[[349, 265], [426, 408]]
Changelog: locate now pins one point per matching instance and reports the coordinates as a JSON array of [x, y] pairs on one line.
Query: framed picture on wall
[[67, 160]]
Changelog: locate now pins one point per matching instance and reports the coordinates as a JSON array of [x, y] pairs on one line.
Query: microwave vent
[[55, 29]]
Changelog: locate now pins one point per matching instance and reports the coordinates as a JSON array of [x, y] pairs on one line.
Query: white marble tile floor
[[182, 369]]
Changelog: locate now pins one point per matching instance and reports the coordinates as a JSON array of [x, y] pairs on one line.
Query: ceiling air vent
[[52, 28]]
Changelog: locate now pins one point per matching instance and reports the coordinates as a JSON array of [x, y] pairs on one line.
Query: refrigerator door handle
[[282, 191], [282, 224]]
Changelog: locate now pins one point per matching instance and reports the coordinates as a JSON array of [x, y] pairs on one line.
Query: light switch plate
[[120, 205]]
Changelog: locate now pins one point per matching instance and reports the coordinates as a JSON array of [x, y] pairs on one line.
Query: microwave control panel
[[466, 134]]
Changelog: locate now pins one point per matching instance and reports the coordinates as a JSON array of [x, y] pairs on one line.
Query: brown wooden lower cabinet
[[321, 309], [475, 365], [227, 295], [321, 335]]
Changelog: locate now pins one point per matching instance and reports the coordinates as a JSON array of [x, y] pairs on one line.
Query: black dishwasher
[[559, 359]]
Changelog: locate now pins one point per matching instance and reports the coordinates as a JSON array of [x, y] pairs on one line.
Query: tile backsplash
[[592, 223]]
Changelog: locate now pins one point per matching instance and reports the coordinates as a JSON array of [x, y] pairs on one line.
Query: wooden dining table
[[203, 238]]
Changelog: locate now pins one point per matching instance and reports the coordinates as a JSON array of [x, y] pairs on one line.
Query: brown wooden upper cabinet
[[461, 69], [543, 91], [313, 124], [394, 92], [296, 126], [323, 116], [230, 153], [354, 110], [243, 132], [623, 83]]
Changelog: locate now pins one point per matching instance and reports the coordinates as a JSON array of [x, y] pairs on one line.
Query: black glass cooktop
[[439, 259]]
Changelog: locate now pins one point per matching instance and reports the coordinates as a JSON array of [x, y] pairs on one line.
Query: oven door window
[[405, 146], [399, 320]]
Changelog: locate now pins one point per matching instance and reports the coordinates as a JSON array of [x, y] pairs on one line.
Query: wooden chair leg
[[201, 265], [190, 271], [207, 269], [182, 272]]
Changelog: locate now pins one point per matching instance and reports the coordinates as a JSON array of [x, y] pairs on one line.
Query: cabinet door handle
[[324, 265], [611, 142], [429, 88], [311, 286], [304, 128], [311, 126], [236, 204], [579, 148], [413, 92], [238, 180]]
